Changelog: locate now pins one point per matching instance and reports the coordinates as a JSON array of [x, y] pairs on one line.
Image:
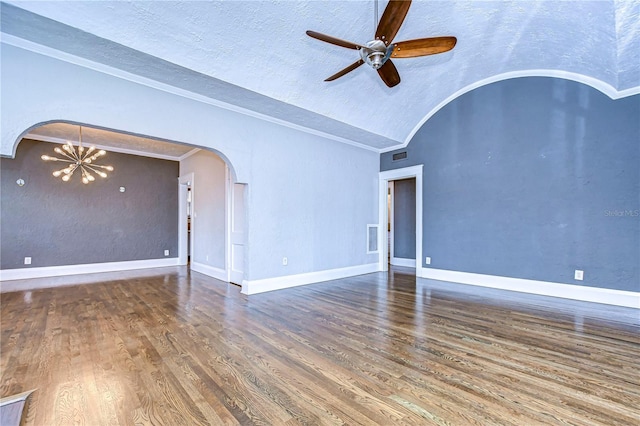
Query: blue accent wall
[[532, 178]]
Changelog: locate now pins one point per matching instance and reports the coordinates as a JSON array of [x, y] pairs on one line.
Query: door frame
[[391, 188], [228, 223], [231, 205], [384, 179], [183, 236]]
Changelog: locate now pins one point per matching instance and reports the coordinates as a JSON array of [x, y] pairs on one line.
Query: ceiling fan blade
[[346, 70], [333, 40], [392, 19], [423, 47], [389, 74]]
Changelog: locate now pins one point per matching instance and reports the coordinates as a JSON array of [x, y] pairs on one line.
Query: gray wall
[[58, 223], [404, 218], [533, 178]]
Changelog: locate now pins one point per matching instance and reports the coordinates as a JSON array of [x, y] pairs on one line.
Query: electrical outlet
[[578, 275], [27, 261], [166, 252], [285, 261], [427, 260]]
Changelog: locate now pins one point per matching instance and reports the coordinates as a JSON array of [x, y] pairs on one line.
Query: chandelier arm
[[73, 159], [91, 165], [98, 172], [86, 176], [73, 154], [87, 153], [73, 169]]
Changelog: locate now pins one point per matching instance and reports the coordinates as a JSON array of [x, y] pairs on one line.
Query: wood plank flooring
[[179, 348]]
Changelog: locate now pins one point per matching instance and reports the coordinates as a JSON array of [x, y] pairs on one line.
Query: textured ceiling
[[255, 54]]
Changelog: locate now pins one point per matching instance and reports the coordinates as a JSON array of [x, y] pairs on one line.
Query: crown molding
[[30, 46], [61, 141]]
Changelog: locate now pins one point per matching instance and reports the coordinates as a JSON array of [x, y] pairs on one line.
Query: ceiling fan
[[378, 52]]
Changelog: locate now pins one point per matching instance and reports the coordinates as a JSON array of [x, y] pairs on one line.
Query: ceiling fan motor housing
[[375, 53]]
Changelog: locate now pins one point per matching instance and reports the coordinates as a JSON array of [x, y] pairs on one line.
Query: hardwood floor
[[176, 348]]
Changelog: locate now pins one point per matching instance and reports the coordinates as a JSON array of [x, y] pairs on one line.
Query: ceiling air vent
[[399, 156]]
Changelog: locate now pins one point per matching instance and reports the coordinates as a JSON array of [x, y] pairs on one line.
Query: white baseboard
[[628, 299], [217, 273], [90, 268], [401, 261], [278, 283]]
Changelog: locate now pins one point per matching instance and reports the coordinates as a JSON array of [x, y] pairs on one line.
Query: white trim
[[628, 299], [599, 85], [391, 218], [278, 283], [121, 150], [89, 268], [401, 261], [217, 273], [228, 192], [384, 178], [189, 154], [183, 234], [118, 73]]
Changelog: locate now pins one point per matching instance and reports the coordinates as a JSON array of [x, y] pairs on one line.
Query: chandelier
[[80, 158]]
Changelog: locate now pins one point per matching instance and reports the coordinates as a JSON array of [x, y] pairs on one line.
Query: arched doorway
[[131, 197]]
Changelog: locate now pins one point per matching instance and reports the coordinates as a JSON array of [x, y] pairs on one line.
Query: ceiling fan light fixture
[[375, 59], [375, 53]]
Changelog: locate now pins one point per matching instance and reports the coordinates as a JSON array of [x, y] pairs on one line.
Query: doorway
[[384, 212], [185, 220], [402, 222]]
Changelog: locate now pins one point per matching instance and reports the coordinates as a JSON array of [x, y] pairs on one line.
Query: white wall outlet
[[166, 252], [27, 261], [427, 260], [578, 275], [285, 261]]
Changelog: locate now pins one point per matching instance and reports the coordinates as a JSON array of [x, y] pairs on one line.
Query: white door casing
[[384, 179], [237, 234], [184, 182]]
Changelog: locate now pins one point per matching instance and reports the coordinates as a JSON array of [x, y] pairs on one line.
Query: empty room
[[320, 212]]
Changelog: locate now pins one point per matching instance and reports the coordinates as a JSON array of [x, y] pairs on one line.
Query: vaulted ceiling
[[254, 56]]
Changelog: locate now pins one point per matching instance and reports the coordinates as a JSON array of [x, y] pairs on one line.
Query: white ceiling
[[254, 55]]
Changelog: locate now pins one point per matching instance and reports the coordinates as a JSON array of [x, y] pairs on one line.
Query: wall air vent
[[400, 156], [372, 238]]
